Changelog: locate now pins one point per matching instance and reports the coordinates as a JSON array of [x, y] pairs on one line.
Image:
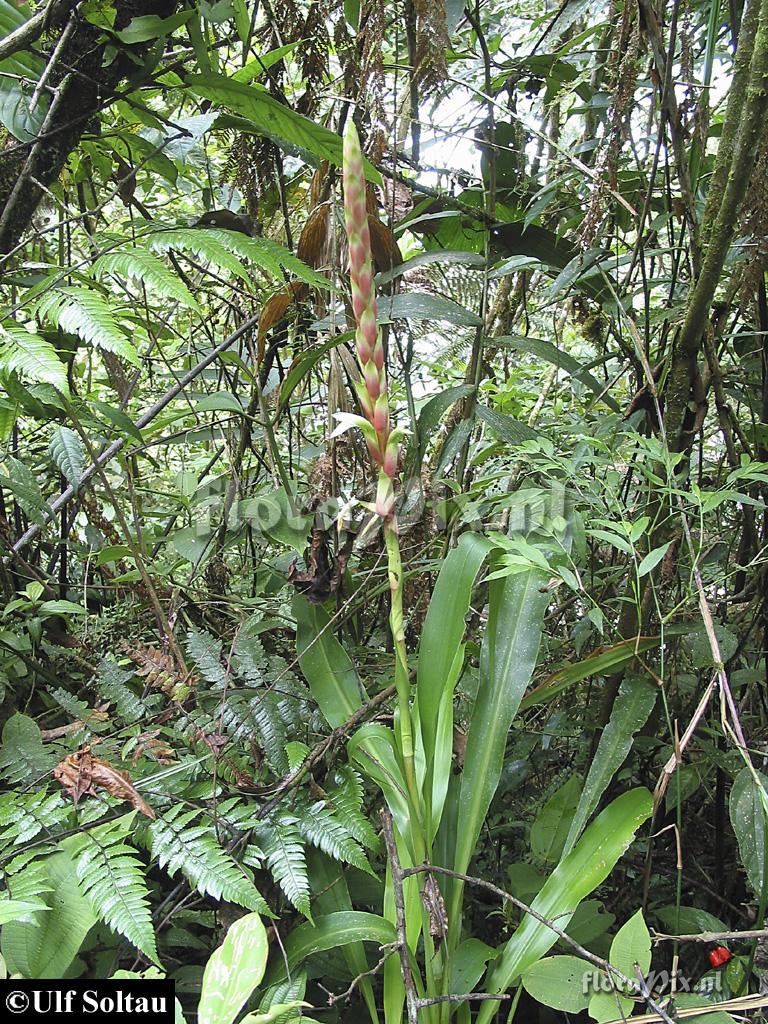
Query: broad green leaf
[[748, 817], [68, 453], [326, 665], [267, 116], [558, 981], [18, 76], [468, 962], [550, 828], [18, 910], [425, 306], [505, 427], [275, 1013], [546, 350], [328, 932], [374, 749], [150, 26], [233, 971], [631, 947], [634, 703], [429, 417], [45, 947], [576, 876], [652, 559]]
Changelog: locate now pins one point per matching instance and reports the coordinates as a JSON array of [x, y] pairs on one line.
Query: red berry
[[719, 956]]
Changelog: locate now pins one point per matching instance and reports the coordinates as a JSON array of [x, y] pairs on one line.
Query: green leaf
[[85, 312], [326, 665], [444, 629], [18, 76], [748, 817], [505, 427], [45, 947], [558, 981], [508, 657], [31, 357], [233, 971], [550, 828], [605, 661], [113, 880], [67, 452], [18, 910], [652, 559], [546, 350], [24, 760], [631, 947], [634, 703], [425, 306], [577, 875], [267, 116], [150, 26], [144, 267], [328, 932]]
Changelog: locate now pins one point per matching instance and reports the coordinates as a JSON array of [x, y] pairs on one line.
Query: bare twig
[[397, 885]]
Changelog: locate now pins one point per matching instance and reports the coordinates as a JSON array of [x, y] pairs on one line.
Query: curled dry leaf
[[81, 774], [275, 308], [314, 238]]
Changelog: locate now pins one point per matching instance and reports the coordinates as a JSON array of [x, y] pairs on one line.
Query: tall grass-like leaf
[[233, 971], [515, 617], [587, 866], [444, 629], [634, 704], [326, 665], [31, 356]]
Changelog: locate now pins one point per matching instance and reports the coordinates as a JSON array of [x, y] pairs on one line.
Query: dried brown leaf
[[81, 774]]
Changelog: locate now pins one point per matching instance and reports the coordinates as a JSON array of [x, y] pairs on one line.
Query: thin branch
[[397, 885]]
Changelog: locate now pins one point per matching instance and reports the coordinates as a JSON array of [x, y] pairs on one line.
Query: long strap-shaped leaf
[[515, 615], [589, 864], [326, 665]]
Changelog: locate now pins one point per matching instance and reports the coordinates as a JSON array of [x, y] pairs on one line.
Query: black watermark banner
[[118, 1001]]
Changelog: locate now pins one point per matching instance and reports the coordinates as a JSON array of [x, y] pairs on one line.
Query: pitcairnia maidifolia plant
[[437, 813]]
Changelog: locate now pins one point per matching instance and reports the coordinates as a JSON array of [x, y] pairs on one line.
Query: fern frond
[[144, 267], [319, 827], [25, 815], [280, 840], [23, 758], [270, 728], [180, 843], [110, 684], [268, 255], [203, 243], [347, 802], [84, 312], [205, 650], [31, 356], [111, 878], [66, 450]]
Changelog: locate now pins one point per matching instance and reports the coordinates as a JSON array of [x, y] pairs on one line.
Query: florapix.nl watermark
[[657, 982], [117, 1000]]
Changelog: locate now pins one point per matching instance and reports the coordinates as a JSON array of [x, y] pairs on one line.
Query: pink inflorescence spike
[[370, 350]]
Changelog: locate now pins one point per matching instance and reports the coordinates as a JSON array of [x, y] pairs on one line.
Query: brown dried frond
[[158, 668], [240, 170], [81, 773], [313, 243]]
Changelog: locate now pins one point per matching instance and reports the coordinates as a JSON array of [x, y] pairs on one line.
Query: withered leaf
[[81, 774], [275, 308]]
